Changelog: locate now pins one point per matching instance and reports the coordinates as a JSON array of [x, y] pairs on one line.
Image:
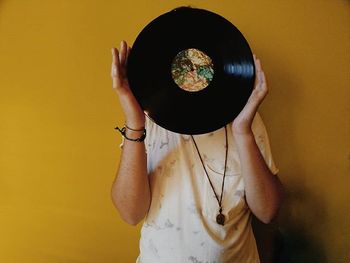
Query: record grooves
[[191, 70]]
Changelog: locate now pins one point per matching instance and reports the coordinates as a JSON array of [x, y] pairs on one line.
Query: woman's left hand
[[242, 124]]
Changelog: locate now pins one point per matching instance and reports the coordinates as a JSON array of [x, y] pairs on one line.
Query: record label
[[192, 70]]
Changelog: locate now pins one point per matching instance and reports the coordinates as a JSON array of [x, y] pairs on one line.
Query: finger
[[113, 54], [127, 56], [257, 65], [116, 69], [260, 80], [120, 49], [128, 52], [264, 80], [123, 52], [114, 61], [255, 58], [261, 88]]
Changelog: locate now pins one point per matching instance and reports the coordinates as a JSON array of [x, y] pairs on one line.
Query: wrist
[[135, 124], [242, 127], [244, 141], [244, 135], [132, 135], [134, 115], [134, 129]]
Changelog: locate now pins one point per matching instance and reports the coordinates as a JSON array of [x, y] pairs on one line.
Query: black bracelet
[[143, 128], [140, 139]]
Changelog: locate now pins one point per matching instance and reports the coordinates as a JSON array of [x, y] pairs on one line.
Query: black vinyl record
[[191, 70]]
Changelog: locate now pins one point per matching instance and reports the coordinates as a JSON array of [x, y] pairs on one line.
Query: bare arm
[[130, 191], [264, 191]]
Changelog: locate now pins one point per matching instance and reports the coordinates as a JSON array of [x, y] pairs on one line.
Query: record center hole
[[192, 70]]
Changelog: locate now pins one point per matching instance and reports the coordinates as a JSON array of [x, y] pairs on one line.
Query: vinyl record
[[191, 70]]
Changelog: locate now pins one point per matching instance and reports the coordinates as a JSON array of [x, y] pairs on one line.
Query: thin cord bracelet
[[142, 129], [140, 139]]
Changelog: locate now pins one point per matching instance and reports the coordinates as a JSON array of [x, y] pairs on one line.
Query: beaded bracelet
[[140, 139]]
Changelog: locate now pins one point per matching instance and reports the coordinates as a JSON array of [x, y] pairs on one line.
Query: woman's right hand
[[134, 115]]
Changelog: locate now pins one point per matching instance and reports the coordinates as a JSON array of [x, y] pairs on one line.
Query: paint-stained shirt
[[181, 223]]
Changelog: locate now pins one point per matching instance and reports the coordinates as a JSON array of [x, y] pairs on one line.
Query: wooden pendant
[[220, 219]]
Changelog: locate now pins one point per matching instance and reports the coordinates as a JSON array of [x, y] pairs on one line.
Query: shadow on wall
[[290, 241]]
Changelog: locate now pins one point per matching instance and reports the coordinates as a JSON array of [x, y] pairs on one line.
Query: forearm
[[130, 190], [263, 190]]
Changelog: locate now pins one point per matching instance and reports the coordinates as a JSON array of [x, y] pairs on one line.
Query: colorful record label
[[192, 70]]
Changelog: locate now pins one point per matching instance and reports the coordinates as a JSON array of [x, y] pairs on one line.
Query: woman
[[196, 193]]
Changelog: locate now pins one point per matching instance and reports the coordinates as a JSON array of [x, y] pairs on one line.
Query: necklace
[[220, 218]]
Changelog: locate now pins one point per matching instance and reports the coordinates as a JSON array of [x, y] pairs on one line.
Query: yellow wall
[[59, 151]]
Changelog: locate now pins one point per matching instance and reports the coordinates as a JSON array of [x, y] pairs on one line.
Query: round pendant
[[220, 219]]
